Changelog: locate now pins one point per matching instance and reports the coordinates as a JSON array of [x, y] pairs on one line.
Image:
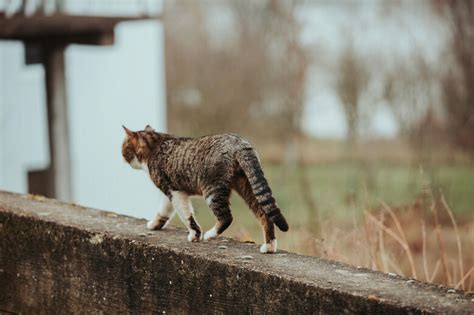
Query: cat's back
[[191, 161], [220, 143], [210, 147], [206, 148]]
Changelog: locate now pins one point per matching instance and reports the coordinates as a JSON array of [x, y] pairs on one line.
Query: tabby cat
[[209, 166]]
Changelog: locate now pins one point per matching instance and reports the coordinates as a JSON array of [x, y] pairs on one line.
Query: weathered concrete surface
[[62, 258]]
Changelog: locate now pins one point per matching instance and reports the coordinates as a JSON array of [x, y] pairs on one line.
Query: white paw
[[151, 225], [211, 234], [269, 247], [192, 236]]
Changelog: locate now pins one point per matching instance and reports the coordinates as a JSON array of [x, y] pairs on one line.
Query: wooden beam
[[34, 48], [91, 30]]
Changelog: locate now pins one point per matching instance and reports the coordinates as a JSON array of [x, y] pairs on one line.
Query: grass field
[[325, 205]]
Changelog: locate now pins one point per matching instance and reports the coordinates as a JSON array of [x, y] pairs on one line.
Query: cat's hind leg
[[270, 245], [163, 217], [218, 202], [243, 188], [184, 208]]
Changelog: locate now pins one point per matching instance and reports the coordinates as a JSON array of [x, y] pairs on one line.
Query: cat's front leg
[[218, 202], [163, 217], [184, 208]]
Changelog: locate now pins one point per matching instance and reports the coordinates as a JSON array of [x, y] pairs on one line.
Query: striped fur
[[209, 166], [250, 164]]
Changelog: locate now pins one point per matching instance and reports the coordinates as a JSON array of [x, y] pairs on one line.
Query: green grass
[[344, 189]]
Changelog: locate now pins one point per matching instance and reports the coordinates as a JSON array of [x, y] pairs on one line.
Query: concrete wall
[[63, 258]]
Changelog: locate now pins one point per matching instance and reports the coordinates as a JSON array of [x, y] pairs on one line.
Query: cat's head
[[138, 145]]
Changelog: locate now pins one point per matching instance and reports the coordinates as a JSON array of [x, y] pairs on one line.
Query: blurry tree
[[352, 81], [235, 66], [458, 81], [411, 89]]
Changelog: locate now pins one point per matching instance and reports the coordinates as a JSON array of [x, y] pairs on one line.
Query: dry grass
[[458, 241], [424, 244]]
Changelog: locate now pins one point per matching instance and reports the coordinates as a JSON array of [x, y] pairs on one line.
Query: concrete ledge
[[62, 258]]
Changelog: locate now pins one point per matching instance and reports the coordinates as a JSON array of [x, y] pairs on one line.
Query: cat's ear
[[128, 131], [148, 128]]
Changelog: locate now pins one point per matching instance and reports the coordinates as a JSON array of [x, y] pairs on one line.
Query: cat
[[210, 166]]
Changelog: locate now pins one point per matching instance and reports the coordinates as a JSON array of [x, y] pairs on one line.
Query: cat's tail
[[248, 161]]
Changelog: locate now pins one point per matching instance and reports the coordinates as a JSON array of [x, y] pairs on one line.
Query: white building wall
[[107, 87], [23, 135]]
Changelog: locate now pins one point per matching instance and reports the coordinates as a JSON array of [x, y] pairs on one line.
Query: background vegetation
[[403, 203]]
